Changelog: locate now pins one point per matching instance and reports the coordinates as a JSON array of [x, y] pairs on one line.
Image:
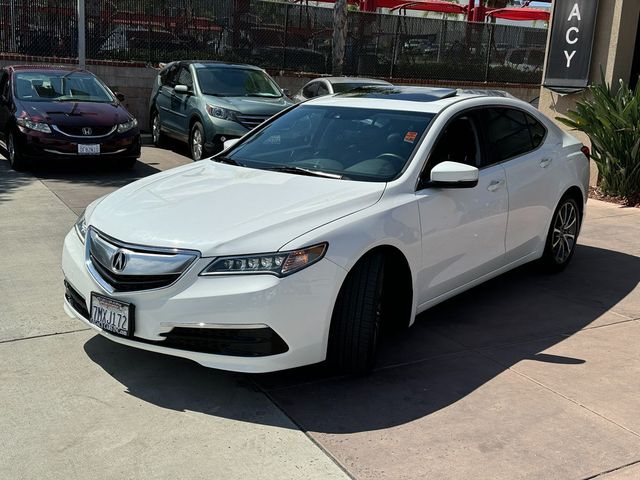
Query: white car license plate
[[88, 149], [112, 315]]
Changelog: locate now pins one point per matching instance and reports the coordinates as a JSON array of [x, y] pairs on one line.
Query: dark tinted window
[[168, 76], [507, 133], [310, 90], [322, 89], [538, 132], [458, 143]]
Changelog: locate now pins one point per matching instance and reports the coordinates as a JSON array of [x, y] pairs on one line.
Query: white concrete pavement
[[75, 406]]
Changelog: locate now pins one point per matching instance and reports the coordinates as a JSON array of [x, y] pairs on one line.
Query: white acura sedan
[[333, 219]]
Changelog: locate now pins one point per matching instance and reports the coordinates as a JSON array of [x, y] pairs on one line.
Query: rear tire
[[562, 236], [16, 160], [357, 315], [159, 138]]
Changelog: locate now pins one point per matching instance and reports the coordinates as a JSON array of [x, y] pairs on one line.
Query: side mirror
[[181, 89], [230, 143], [454, 175], [119, 96], [286, 92]]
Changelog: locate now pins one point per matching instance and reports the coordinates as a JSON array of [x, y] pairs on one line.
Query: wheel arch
[[398, 284]]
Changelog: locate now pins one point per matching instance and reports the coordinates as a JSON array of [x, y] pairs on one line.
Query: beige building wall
[[613, 48]]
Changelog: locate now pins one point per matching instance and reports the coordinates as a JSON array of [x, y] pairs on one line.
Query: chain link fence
[[276, 36]]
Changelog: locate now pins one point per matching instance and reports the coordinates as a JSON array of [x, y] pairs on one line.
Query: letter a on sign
[[575, 12]]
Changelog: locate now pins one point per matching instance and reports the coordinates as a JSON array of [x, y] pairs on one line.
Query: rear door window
[[322, 89], [310, 90], [506, 133]]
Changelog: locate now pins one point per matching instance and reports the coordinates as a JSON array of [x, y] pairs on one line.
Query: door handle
[[546, 162], [495, 185]]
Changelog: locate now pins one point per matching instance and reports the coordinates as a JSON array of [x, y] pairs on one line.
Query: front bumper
[[56, 145], [296, 309], [217, 131]]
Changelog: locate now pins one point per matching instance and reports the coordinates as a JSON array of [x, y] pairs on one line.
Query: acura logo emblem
[[87, 131], [118, 261]]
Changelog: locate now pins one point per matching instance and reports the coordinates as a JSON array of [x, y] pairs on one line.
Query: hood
[[76, 114], [227, 210], [251, 105]]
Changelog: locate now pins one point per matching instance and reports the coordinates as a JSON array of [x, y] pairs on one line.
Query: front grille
[[239, 342], [252, 121], [132, 283], [76, 300], [77, 131], [141, 268]]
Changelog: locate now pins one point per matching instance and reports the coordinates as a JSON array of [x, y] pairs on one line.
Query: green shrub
[[611, 120]]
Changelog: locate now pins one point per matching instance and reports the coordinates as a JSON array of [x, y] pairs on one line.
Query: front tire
[[357, 316], [196, 142], [16, 160], [562, 236], [159, 138]]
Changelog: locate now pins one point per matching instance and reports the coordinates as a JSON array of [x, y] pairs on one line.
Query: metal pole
[[82, 52], [284, 38], [12, 14], [487, 70]]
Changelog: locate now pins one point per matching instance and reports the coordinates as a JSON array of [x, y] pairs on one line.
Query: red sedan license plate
[[112, 315]]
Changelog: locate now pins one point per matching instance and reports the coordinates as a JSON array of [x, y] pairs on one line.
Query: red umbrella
[[520, 14], [425, 5]]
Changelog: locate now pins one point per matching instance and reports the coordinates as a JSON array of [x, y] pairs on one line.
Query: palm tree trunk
[[339, 35]]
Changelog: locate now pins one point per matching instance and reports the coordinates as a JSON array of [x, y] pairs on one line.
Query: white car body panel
[[239, 210], [452, 239]]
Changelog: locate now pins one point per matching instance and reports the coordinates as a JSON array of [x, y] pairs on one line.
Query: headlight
[[125, 127], [81, 227], [222, 113], [37, 126], [280, 264]]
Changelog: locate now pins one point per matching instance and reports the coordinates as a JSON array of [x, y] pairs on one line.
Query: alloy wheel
[[196, 144], [156, 129], [565, 230], [11, 148]]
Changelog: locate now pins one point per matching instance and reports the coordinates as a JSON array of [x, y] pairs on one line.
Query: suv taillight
[[586, 151]]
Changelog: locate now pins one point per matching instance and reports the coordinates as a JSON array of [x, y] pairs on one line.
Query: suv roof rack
[[411, 94]]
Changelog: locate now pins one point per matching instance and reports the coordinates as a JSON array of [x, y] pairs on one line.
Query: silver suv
[[206, 103]]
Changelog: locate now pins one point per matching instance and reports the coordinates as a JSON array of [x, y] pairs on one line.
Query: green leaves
[[611, 119]]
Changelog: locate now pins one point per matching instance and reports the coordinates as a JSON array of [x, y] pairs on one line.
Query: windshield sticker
[[410, 137]]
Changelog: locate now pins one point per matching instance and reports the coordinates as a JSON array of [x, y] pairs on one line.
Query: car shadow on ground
[[101, 172], [10, 180], [437, 362]]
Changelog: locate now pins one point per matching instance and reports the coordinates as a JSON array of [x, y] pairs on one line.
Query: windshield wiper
[[227, 160], [305, 171], [262, 95]]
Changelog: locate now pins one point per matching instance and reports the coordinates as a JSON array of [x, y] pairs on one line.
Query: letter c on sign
[[573, 41]]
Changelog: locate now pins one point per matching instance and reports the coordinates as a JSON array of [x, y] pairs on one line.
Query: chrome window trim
[[113, 129]]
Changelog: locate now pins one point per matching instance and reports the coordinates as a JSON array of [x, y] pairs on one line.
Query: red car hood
[[76, 114]]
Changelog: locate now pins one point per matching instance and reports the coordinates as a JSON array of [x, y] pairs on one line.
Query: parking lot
[[527, 376]]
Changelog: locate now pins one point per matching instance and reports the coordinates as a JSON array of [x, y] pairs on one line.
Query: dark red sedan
[[57, 112]]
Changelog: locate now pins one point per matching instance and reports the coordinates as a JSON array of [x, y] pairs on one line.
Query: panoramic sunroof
[[412, 94]]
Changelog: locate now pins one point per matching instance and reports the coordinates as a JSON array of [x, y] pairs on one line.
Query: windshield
[[352, 143], [236, 82], [60, 86], [347, 87]]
